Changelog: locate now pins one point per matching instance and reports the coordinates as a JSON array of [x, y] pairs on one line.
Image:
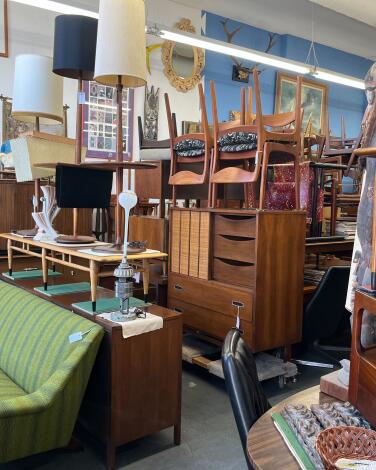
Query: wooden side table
[[135, 386]]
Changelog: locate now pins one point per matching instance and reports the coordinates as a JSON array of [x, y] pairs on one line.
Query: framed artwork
[[4, 28], [314, 100], [190, 127], [100, 123]]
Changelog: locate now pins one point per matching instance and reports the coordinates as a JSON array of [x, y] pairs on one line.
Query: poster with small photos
[[100, 120]]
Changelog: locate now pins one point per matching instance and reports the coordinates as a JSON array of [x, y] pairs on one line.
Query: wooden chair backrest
[[279, 120], [171, 118], [223, 127]]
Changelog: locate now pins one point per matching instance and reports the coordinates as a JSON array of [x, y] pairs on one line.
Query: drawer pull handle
[[237, 304], [178, 287], [178, 310]]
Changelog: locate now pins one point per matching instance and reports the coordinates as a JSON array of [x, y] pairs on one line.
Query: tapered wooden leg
[[146, 279], [45, 268], [264, 173], [93, 283], [297, 183], [10, 256], [173, 196]]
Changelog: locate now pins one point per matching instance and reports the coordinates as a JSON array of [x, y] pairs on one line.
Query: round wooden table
[[266, 448]]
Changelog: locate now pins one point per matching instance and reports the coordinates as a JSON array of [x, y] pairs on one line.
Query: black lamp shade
[[74, 46], [83, 187]]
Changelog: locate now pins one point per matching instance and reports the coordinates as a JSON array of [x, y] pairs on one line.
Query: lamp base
[[75, 239], [119, 316]]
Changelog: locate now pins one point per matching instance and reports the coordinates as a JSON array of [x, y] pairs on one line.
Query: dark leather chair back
[[324, 312], [247, 397]]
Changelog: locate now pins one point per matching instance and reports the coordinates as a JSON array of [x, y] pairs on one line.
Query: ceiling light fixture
[[334, 77], [57, 7], [255, 56], [229, 49]]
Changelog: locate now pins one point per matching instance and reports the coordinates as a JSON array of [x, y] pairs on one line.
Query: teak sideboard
[[222, 259]]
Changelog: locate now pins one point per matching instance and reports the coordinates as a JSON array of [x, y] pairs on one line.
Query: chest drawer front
[[234, 248], [237, 225], [234, 272], [210, 295], [207, 321]]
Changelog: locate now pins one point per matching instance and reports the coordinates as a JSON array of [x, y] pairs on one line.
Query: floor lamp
[[37, 97], [74, 57], [120, 62]]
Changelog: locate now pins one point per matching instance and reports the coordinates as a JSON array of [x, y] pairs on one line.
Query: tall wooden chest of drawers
[[222, 259]]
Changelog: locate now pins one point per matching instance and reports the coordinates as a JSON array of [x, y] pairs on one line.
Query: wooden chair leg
[[297, 183], [173, 196], [264, 174]]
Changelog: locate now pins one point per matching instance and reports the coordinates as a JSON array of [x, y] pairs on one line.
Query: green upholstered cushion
[[8, 389], [34, 336], [35, 352]]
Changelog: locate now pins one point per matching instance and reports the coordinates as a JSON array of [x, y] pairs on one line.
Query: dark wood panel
[[207, 321], [211, 295], [230, 224], [234, 272], [279, 283], [234, 248]]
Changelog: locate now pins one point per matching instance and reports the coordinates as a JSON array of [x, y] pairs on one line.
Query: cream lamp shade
[[37, 91], [121, 43]]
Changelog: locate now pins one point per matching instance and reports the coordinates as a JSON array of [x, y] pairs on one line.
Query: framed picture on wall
[[314, 100], [4, 28]]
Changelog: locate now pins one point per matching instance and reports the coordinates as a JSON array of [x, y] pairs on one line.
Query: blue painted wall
[[342, 100]]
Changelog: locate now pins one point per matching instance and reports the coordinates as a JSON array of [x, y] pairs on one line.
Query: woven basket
[[348, 442]]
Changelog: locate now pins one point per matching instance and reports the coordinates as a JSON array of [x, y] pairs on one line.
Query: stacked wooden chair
[[189, 149]]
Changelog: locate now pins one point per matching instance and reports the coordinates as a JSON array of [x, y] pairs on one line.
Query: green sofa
[[43, 376]]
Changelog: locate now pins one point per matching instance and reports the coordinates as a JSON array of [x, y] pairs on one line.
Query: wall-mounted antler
[[229, 36], [243, 72]]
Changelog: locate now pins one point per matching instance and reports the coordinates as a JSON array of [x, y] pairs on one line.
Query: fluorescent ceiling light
[[231, 50], [334, 77], [253, 56], [57, 7]]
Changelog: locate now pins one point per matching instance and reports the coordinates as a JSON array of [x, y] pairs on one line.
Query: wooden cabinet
[[223, 258], [362, 387], [135, 386]]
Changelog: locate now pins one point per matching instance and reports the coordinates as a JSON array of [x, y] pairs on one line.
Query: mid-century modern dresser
[[225, 261]]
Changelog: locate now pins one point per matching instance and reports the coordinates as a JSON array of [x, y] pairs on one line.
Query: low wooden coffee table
[[73, 257]]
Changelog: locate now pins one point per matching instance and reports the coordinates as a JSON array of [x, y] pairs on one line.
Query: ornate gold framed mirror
[[183, 64]]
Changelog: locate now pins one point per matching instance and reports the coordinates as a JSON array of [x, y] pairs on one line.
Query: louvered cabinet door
[[189, 251]]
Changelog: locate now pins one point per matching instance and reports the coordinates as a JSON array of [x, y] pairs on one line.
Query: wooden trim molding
[[5, 52]]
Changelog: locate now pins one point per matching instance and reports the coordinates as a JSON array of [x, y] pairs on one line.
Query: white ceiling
[[338, 23], [361, 10]]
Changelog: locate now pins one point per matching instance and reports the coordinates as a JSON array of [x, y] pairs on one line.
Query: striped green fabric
[[8, 389], [49, 374]]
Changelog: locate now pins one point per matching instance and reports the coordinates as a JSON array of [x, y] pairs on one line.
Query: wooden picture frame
[[4, 51], [314, 100]]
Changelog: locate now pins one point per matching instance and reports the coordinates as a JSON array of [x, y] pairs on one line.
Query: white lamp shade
[[121, 43], [37, 91]]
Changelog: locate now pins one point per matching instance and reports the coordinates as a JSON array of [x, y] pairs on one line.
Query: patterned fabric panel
[[8, 389], [237, 142], [45, 419], [190, 148], [34, 336]]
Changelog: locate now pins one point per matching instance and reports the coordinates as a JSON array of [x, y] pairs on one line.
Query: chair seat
[[8, 388]]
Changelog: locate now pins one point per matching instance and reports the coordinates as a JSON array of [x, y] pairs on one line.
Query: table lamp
[[120, 61], [74, 57], [37, 94]]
